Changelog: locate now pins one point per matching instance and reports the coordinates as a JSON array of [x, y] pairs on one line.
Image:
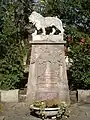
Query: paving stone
[[20, 111]]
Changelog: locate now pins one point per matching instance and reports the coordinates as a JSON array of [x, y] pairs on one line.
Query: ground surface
[[20, 111]]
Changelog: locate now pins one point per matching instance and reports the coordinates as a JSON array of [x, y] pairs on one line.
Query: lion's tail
[[59, 24]]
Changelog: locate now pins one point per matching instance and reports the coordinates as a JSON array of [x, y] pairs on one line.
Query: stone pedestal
[[47, 72]]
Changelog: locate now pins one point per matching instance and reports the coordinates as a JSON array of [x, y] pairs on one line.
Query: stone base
[[47, 71]]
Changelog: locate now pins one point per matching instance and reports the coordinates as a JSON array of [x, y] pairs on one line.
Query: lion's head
[[35, 17]]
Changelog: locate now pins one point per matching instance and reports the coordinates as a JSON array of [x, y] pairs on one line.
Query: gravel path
[[20, 111]]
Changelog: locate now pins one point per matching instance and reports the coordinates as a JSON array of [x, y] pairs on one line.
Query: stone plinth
[[47, 73], [48, 38]]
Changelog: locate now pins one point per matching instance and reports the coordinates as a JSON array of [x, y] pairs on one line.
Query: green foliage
[[79, 72], [12, 46]]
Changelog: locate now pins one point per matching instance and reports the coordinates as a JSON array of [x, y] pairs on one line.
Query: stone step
[[22, 98], [73, 96]]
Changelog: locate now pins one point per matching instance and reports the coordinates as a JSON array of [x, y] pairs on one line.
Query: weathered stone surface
[[9, 96], [47, 73]]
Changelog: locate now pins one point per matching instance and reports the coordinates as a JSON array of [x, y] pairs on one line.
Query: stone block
[[83, 94], [9, 96]]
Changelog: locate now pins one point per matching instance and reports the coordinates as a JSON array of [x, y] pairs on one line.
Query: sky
[[36, 0]]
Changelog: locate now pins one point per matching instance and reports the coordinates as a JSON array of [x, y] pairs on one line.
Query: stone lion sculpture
[[41, 22]]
